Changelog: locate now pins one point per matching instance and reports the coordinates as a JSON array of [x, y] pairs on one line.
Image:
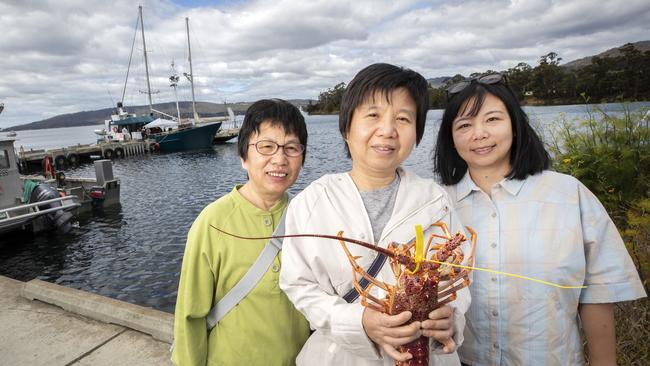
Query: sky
[[65, 56]]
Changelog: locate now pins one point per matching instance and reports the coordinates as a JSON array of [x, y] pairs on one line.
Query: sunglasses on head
[[488, 79]]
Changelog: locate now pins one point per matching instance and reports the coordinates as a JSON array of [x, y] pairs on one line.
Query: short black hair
[[527, 154], [279, 113], [384, 78]]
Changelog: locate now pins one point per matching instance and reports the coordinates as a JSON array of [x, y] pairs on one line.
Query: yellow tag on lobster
[[419, 247]]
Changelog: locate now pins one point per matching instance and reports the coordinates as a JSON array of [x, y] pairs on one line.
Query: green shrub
[[610, 155]]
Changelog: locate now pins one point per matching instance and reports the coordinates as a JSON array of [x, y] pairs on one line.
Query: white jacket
[[316, 272]]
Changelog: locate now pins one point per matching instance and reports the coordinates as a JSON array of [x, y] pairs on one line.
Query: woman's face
[[382, 134], [484, 141], [271, 175]]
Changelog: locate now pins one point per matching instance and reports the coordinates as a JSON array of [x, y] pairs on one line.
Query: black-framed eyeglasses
[[268, 147], [489, 79]]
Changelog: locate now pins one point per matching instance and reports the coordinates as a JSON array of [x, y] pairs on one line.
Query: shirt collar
[[254, 210], [512, 186], [467, 186]]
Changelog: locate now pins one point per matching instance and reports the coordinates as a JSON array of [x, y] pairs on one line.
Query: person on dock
[[533, 222], [48, 168], [263, 328]]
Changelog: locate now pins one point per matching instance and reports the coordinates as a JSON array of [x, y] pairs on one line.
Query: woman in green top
[[264, 328]]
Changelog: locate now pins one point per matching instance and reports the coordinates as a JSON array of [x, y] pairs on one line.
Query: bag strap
[[352, 295], [250, 279]]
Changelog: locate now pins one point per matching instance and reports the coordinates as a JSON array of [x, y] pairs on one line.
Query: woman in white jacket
[[382, 117]]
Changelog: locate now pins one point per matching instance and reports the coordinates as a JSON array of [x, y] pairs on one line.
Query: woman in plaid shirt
[[534, 222]]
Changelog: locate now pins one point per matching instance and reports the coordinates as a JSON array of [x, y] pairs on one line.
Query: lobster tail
[[419, 349]]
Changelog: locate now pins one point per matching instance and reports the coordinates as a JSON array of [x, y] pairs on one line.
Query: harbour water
[[133, 252]]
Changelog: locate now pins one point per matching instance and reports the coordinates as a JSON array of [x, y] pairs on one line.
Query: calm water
[[133, 252]]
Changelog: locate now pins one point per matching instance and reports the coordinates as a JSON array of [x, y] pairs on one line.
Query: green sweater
[[264, 328]]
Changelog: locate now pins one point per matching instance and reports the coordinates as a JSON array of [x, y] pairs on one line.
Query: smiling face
[[269, 176], [382, 133], [484, 141]]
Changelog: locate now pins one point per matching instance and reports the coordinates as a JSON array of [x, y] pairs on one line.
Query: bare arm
[[598, 324]]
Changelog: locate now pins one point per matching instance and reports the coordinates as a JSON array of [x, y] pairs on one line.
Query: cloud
[[71, 55]]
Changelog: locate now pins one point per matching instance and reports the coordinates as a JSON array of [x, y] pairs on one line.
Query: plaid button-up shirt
[[550, 227]]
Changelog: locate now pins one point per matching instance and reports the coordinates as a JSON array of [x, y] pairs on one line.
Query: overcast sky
[[65, 56]]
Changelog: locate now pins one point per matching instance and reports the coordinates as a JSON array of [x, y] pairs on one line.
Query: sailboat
[[175, 135]]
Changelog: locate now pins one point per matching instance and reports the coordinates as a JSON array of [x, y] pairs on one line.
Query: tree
[[329, 101], [519, 79], [547, 76]]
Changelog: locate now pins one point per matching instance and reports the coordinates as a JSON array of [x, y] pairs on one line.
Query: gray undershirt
[[379, 205]]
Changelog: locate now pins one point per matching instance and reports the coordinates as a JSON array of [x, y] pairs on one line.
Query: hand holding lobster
[[440, 326], [391, 331]]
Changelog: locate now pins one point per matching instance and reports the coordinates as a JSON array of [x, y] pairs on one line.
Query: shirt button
[[495, 313], [362, 236], [493, 245], [267, 221], [275, 267], [494, 214], [494, 279], [496, 346]]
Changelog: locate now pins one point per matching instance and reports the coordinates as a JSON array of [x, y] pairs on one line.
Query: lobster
[[422, 284]]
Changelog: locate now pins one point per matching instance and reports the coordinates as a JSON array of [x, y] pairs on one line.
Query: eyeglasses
[[488, 79], [268, 147]]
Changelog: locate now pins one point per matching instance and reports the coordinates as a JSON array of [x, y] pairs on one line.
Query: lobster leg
[[454, 286], [470, 259], [426, 250], [444, 229], [362, 272], [374, 303]]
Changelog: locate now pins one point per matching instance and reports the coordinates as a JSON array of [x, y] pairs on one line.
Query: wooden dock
[[225, 134], [61, 158]]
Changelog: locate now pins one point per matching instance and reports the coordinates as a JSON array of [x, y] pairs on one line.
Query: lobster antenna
[[335, 237], [393, 255]]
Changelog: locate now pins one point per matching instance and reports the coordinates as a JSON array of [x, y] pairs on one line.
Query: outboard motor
[[60, 219]]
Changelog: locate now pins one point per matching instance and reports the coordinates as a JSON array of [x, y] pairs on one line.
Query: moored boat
[[169, 135], [37, 206]]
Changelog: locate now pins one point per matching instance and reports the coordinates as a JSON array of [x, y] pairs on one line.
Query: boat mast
[[173, 82], [191, 76], [146, 61], [128, 69]]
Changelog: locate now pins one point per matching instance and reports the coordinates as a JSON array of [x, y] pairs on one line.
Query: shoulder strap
[[352, 295], [250, 279]]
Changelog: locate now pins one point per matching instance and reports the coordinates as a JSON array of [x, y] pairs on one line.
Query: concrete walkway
[[46, 324]]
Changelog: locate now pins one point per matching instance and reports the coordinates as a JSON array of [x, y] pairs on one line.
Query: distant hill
[[612, 52], [96, 117]]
